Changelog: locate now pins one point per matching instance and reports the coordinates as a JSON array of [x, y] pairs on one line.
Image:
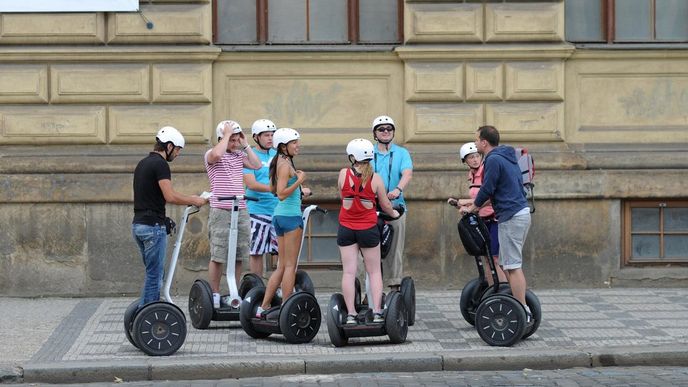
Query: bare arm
[[218, 151], [251, 182], [174, 197], [283, 175], [252, 161], [385, 204], [395, 192]]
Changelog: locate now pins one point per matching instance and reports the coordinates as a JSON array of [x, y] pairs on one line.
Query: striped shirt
[[226, 178]]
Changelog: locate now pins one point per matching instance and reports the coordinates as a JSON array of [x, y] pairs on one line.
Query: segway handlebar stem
[[190, 210]]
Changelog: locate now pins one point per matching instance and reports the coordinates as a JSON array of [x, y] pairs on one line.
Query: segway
[[159, 328], [395, 311], [407, 287], [298, 318], [499, 318], [201, 309]]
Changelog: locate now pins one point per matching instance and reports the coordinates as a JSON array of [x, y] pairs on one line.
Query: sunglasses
[[384, 129]]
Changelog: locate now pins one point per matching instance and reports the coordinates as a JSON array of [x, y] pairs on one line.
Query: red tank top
[[357, 217]]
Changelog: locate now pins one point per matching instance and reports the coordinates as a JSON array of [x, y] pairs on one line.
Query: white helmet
[[262, 125], [169, 134], [361, 149], [382, 120], [467, 149], [284, 136], [219, 130]]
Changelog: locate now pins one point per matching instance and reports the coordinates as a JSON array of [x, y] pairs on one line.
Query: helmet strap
[[256, 138], [168, 152]]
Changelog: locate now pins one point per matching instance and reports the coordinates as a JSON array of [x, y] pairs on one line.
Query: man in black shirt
[[152, 189]]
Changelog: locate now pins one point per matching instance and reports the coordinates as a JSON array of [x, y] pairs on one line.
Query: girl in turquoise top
[[285, 182]]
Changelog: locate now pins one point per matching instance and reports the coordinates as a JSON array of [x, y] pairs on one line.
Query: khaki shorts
[[512, 235], [218, 225]]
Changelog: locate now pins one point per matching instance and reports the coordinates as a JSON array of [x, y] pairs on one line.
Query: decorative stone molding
[[484, 81], [100, 83], [136, 124], [527, 22], [52, 124], [441, 122], [527, 121], [443, 23], [535, 81], [52, 28], [434, 81], [182, 83], [23, 84], [173, 23]]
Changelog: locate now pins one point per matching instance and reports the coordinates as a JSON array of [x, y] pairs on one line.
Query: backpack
[[527, 166], [474, 234]]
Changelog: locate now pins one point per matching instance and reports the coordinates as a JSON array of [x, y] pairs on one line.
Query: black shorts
[[365, 238]]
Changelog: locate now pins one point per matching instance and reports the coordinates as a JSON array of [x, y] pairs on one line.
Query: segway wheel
[[159, 329], [300, 318], [336, 310], [408, 295], [129, 316], [200, 304], [500, 320], [531, 300], [304, 283], [248, 282], [470, 299], [395, 320], [248, 309], [357, 292], [533, 303]]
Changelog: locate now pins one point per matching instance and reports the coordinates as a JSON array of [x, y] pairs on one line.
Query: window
[[655, 232], [627, 21], [320, 241], [240, 22]]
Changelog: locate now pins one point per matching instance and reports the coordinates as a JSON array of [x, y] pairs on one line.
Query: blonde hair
[[366, 171]]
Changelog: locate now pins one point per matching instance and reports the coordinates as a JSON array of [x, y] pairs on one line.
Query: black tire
[[304, 283], [533, 303], [129, 316], [300, 318], [395, 319], [248, 282], [159, 329], [247, 312], [500, 320], [357, 293], [531, 300], [408, 295], [336, 310], [200, 304], [470, 299]]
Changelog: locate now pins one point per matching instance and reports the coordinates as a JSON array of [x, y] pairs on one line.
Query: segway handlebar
[[400, 210], [237, 197]]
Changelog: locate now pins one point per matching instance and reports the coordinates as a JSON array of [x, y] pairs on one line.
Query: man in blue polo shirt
[[393, 163]]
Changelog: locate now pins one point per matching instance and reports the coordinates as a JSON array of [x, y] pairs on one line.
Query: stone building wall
[[82, 95]]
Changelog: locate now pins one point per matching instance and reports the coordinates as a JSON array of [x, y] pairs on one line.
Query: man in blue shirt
[[393, 163], [503, 186], [263, 238]]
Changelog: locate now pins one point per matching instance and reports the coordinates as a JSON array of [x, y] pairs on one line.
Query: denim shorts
[[512, 235], [285, 224]]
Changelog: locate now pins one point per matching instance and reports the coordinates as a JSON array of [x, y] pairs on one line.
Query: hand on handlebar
[[306, 192], [453, 202]]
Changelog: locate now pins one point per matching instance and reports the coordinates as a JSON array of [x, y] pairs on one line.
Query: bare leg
[[256, 264], [276, 277], [292, 240], [214, 275], [517, 281], [349, 256], [371, 257]]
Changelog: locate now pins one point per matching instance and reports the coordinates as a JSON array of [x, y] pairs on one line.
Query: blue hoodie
[[502, 183]]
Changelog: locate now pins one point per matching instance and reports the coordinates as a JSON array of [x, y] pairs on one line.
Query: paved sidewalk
[[82, 340]]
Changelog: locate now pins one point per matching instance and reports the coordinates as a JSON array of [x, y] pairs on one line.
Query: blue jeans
[[152, 241]]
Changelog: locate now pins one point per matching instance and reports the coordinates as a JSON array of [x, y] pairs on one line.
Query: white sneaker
[[259, 312], [216, 300]]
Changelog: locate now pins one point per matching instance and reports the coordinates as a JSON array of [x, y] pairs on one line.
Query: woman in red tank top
[[360, 188]]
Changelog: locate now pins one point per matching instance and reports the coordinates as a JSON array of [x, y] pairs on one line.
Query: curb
[[212, 368], [10, 373]]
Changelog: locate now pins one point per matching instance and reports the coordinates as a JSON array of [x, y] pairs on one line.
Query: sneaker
[[529, 316], [216, 300], [378, 318], [259, 312], [351, 319]]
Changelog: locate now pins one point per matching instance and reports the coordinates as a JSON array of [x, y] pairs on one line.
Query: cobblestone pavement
[[571, 318], [612, 376], [83, 340]]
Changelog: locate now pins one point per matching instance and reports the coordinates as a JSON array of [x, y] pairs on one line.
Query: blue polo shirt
[[266, 200], [390, 165]]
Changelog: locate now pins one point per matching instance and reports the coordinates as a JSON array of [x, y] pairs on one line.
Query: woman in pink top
[[470, 156]]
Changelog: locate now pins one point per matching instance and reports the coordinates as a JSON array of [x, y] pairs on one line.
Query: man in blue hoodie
[[503, 186]]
